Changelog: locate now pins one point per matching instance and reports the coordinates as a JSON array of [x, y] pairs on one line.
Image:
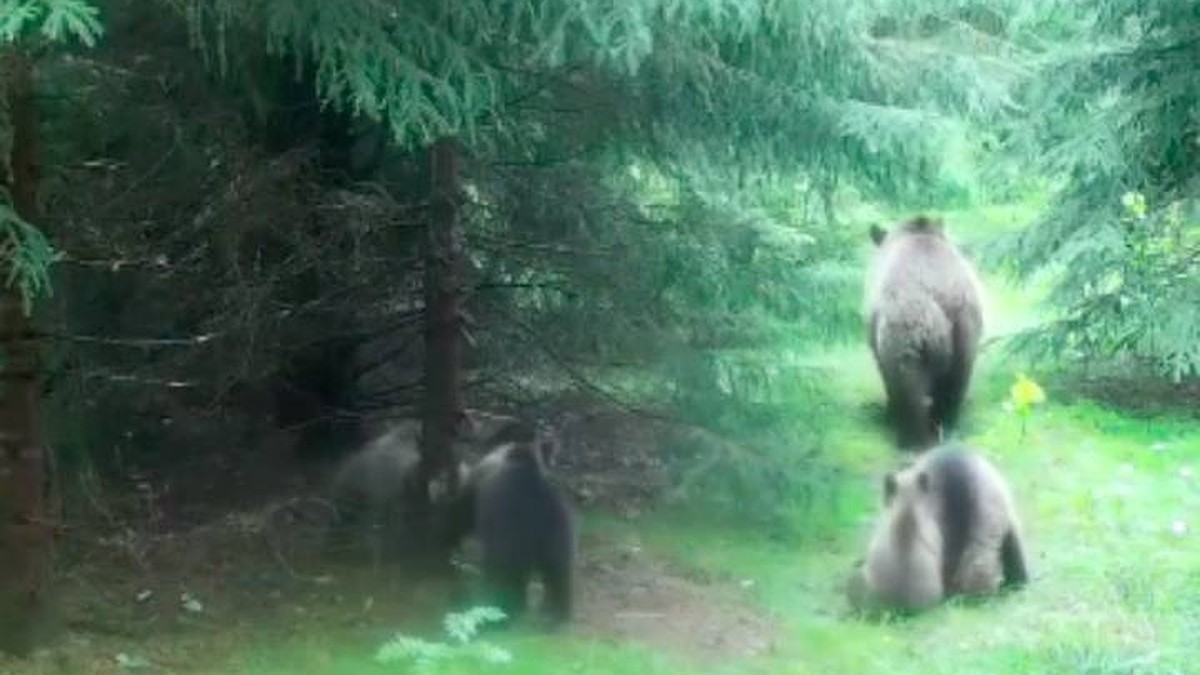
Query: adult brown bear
[[924, 306]]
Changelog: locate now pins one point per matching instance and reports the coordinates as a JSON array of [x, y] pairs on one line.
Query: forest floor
[[1110, 496]]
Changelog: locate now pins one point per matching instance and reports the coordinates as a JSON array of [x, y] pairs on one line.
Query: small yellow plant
[[1026, 393], [1023, 396], [1135, 204]]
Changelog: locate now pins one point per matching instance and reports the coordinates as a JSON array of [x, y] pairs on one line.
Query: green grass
[[1115, 590], [532, 654]]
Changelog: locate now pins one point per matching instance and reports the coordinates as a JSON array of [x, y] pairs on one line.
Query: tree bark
[[443, 408], [28, 511]]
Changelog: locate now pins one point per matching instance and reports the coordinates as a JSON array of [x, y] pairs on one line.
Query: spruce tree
[[27, 508], [721, 103], [1111, 121]]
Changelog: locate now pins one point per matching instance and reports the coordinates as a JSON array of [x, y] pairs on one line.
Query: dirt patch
[[628, 596], [183, 600], [183, 565]]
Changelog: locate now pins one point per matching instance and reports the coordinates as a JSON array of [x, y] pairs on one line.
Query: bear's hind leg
[[1012, 560], [506, 589], [556, 578], [909, 407], [952, 385]]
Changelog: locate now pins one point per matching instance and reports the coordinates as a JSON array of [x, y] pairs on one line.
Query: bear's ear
[[927, 224], [466, 424], [547, 443], [878, 234]]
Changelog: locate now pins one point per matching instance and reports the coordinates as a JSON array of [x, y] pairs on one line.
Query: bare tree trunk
[[443, 316], [27, 509]]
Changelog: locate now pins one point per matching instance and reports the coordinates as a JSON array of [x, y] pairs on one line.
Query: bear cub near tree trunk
[[524, 526]]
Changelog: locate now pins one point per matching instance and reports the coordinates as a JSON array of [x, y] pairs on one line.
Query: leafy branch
[[55, 20], [463, 629], [29, 255]]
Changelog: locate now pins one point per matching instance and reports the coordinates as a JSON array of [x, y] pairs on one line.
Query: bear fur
[[523, 526], [379, 493], [382, 498], [924, 306], [948, 527]]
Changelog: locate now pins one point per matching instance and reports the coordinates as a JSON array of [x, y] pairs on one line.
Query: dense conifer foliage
[[1111, 124]]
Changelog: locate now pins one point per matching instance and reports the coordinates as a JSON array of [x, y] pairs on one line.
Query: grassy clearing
[[1116, 588], [1112, 509]]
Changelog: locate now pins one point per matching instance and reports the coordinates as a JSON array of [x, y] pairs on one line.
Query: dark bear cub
[[924, 307], [524, 526]]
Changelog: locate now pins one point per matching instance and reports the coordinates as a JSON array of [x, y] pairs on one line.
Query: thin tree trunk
[[27, 509], [443, 316]]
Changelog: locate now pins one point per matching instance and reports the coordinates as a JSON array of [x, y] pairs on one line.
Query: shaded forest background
[[664, 205]]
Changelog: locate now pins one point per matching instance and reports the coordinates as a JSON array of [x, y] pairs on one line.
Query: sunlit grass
[[1112, 511]]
